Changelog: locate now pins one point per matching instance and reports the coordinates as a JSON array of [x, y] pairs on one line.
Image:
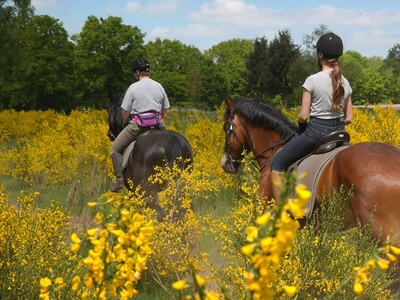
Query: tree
[[177, 66], [231, 57], [310, 40], [13, 17], [214, 87], [282, 52], [391, 71], [45, 74], [257, 68], [104, 50], [367, 82], [392, 60]]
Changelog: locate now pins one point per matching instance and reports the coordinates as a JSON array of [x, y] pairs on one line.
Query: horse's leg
[[264, 183]]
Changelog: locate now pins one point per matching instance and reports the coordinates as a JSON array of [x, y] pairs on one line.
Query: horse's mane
[[262, 114]]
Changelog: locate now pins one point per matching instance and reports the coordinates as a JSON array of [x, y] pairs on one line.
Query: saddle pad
[[314, 164], [127, 153]]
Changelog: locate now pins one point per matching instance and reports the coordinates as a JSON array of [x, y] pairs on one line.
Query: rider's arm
[[163, 112], [125, 116], [305, 107], [348, 111]]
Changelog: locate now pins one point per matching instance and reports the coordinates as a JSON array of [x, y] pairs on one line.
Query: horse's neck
[[263, 143]]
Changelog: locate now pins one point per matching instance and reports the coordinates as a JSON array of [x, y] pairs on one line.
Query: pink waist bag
[[147, 119]]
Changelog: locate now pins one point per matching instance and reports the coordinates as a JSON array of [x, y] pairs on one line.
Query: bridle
[[231, 131]]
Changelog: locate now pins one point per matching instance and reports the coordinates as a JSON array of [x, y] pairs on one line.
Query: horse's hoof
[[116, 190], [116, 187]]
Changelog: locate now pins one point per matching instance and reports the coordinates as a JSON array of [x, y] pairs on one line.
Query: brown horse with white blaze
[[371, 171]]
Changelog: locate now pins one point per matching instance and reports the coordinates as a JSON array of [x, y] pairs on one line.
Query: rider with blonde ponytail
[[326, 107]]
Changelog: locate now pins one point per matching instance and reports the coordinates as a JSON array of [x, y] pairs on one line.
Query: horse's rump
[[372, 172]]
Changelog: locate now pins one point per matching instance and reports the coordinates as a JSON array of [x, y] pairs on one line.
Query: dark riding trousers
[[304, 143]]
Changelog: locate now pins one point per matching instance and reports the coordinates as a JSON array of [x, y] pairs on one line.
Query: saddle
[[314, 163]]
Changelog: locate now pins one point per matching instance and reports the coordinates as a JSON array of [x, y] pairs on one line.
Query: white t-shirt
[[320, 87], [145, 95]]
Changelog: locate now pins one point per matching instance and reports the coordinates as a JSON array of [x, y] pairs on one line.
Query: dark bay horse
[[153, 148], [370, 170]]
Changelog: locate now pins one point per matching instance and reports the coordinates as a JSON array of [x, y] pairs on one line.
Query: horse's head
[[244, 124], [233, 149], [114, 110]]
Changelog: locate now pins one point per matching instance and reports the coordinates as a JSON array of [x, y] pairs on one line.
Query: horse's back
[[157, 148], [371, 171], [166, 144]]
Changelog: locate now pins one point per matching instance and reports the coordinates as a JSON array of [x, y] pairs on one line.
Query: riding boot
[[276, 184], [118, 185]]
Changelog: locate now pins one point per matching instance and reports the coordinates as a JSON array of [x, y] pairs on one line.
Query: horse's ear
[[228, 103]]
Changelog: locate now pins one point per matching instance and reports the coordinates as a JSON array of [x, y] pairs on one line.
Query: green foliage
[[46, 74], [310, 39], [13, 17], [281, 54], [269, 65], [257, 66], [104, 50], [40, 68], [230, 58]]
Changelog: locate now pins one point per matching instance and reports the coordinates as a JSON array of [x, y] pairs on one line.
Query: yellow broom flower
[[180, 285]]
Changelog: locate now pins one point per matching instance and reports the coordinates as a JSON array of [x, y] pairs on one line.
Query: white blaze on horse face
[[227, 165]]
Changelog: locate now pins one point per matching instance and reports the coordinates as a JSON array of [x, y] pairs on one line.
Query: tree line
[[42, 67]]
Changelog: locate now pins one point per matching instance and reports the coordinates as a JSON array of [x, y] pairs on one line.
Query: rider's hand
[[302, 127]]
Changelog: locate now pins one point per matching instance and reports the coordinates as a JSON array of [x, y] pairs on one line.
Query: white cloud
[[361, 29], [243, 15], [152, 8], [160, 32], [353, 17], [132, 6], [235, 12], [46, 4]]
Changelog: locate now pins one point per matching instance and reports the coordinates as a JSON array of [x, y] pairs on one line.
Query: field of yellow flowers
[[81, 242]]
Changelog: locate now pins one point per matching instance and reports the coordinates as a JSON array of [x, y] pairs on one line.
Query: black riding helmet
[[140, 64], [330, 45]]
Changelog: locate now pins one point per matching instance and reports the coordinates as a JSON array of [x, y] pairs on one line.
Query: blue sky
[[369, 27]]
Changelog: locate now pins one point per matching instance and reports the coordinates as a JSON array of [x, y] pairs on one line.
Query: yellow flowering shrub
[[270, 239], [207, 139], [380, 125], [60, 149], [24, 124], [118, 253], [321, 261], [33, 242], [215, 228]]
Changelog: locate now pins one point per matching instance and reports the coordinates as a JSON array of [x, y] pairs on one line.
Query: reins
[[267, 158], [272, 148]]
